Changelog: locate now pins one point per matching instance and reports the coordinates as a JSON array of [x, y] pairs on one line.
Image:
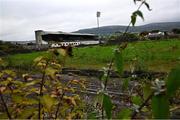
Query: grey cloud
[[19, 18]]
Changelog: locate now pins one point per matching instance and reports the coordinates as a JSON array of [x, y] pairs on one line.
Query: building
[[58, 39]]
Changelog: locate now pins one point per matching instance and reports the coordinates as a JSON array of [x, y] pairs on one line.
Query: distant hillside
[[164, 26]]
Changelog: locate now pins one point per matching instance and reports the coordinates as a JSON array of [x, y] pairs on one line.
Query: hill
[[164, 26]]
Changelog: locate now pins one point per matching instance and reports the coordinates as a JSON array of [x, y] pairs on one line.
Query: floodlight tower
[[98, 14]]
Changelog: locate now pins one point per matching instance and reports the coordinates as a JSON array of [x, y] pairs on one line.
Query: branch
[[41, 89], [112, 60], [142, 105], [5, 106], [57, 111], [60, 98]]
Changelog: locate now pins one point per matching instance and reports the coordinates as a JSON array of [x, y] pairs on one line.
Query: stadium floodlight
[[98, 14]]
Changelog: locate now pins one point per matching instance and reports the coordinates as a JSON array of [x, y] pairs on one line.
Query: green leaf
[[173, 81], [3, 116], [134, 16], [125, 84], [147, 91], [23, 100], [133, 19], [30, 101], [17, 98], [107, 105], [27, 113], [99, 98], [18, 83], [5, 83], [125, 114], [136, 100], [147, 5], [92, 115], [160, 107], [119, 61], [3, 63], [139, 13]]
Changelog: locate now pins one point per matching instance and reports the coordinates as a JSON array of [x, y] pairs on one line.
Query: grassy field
[[151, 55]]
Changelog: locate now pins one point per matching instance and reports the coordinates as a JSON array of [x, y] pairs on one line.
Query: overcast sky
[[20, 18]]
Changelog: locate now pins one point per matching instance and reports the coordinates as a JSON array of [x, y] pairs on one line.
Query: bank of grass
[[152, 55]]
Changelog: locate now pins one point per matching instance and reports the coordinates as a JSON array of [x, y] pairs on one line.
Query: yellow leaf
[[69, 89], [38, 59], [10, 72], [51, 72], [48, 102], [62, 52], [55, 65], [25, 75]]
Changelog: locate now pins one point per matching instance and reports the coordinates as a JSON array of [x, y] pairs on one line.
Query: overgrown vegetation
[[47, 96], [44, 97]]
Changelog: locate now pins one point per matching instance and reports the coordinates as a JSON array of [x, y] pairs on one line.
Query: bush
[[9, 48]]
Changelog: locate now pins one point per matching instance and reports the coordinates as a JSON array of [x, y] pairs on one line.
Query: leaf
[[38, 59], [147, 5], [145, 109], [133, 19], [134, 1], [56, 66], [10, 72], [34, 82], [3, 63], [3, 116], [173, 81], [139, 13], [136, 100], [134, 16], [23, 100], [48, 102], [27, 113], [92, 115], [125, 84], [70, 100], [51, 72], [98, 99], [30, 101], [119, 61], [160, 107], [18, 83], [62, 51], [146, 90], [107, 105], [125, 114], [17, 98]]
